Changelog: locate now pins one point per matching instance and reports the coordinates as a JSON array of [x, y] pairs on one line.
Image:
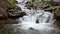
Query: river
[[35, 21]]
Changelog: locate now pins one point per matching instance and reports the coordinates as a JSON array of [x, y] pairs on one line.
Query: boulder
[[37, 21], [57, 11]]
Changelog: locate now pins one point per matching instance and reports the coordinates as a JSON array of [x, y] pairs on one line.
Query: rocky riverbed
[[34, 18], [50, 6]]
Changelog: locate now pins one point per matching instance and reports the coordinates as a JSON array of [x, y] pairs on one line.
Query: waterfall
[[45, 19]]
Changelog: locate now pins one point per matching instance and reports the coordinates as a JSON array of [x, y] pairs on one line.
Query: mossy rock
[[18, 8], [11, 6], [11, 1], [57, 11]]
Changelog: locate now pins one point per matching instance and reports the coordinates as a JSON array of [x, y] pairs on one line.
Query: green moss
[[11, 6], [11, 1]]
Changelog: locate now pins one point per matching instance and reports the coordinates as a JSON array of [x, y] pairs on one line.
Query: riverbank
[[9, 11]]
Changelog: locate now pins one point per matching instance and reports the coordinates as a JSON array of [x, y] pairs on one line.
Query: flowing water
[[35, 21]]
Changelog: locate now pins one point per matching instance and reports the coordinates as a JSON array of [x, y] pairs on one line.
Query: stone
[[57, 11], [51, 9], [22, 14], [37, 21], [31, 28], [46, 6], [11, 1], [16, 14]]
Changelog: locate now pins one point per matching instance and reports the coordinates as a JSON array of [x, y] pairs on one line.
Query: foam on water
[[29, 21]]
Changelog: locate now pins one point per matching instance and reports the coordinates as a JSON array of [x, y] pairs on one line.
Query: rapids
[[28, 23]]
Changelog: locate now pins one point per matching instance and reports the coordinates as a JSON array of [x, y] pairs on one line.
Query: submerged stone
[[31, 28], [37, 21]]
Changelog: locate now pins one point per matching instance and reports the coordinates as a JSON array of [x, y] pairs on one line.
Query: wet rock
[[29, 5], [16, 14], [37, 21], [16, 2], [46, 6], [51, 9], [18, 8], [22, 14], [27, 2], [31, 28]]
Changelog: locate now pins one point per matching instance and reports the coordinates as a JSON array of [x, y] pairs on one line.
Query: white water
[[45, 25]]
